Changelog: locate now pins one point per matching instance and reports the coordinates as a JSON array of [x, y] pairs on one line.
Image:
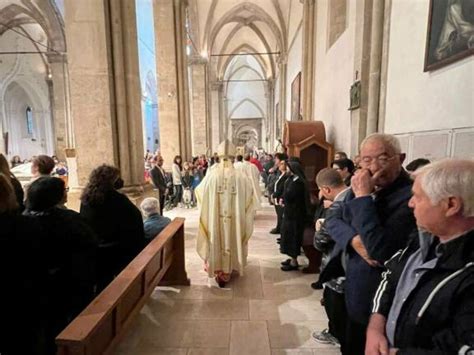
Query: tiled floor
[[267, 311]]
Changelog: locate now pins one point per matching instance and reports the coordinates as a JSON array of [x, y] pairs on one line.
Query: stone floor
[[266, 311]]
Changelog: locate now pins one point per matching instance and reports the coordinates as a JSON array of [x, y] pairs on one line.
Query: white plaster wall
[[23, 84], [334, 76], [293, 67], [419, 101]]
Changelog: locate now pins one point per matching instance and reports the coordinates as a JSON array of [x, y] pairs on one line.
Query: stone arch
[[245, 67], [242, 102], [245, 48], [17, 97], [259, 34], [49, 20], [233, 16]]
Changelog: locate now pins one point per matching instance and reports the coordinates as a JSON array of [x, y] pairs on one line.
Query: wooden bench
[[99, 327]]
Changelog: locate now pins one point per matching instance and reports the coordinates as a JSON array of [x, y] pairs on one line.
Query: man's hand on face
[[363, 182], [360, 249]]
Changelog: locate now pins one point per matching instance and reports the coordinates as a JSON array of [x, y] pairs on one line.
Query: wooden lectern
[[307, 141]]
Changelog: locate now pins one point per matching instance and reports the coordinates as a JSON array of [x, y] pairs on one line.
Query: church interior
[[95, 82]]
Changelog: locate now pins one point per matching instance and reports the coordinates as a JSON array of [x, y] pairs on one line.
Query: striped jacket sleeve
[[393, 269]]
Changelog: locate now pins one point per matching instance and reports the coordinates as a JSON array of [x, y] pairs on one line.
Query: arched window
[[29, 121]]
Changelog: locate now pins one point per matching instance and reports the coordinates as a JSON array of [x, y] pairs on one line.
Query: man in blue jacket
[[373, 223]]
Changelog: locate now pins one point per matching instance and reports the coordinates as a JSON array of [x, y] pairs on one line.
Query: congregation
[[394, 257]]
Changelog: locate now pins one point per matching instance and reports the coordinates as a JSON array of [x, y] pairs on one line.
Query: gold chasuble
[[227, 208]]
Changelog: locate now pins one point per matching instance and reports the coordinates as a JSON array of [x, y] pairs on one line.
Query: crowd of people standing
[[394, 247]]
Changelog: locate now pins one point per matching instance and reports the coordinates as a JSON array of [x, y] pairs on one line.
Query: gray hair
[[150, 206], [388, 140], [449, 178]]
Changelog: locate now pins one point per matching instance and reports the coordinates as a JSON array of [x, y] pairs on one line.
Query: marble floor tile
[[292, 352], [287, 310], [293, 335], [249, 337], [201, 309], [266, 311], [208, 351]]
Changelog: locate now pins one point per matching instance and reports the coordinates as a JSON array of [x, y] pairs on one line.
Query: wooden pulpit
[[307, 141]]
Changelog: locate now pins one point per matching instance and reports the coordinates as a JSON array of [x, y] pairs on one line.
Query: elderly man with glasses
[[373, 223]]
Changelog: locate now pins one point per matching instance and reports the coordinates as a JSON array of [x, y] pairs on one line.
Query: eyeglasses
[[382, 159]]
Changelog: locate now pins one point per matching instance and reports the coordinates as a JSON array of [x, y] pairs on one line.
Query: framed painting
[[450, 34], [295, 98]]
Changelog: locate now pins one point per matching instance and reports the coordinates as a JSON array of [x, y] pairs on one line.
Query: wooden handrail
[[101, 325]]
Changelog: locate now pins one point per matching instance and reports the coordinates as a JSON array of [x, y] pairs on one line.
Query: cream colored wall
[[294, 67], [419, 101], [334, 76]]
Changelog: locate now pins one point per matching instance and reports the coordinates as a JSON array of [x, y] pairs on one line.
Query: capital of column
[[217, 85], [197, 59], [282, 59]]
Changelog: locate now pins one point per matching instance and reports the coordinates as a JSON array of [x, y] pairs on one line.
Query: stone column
[[384, 66], [127, 92], [361, 71], [215, 89], [309, 50], [63, 130], [283, 72], [171, 63], [105, 88], [199, 107], [91, 92], [376, 45]]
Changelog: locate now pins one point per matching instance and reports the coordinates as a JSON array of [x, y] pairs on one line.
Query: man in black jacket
[[158, 178], [373, 223], [425, 301]]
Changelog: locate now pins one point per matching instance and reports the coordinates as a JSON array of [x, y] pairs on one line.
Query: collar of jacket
[[453, 255]]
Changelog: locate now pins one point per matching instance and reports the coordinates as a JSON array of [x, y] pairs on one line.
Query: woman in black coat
[[69, 247], [295, 214], [116, 221], [23, 273]]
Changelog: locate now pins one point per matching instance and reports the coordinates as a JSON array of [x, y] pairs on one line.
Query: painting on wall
[[295, 98], [450, 32]]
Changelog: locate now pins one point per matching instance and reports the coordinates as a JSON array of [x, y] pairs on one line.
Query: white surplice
[[227, 209], [251, 171]]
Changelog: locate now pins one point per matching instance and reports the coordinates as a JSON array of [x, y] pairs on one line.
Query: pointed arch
[[233, 15], [242, 102], [245, 67]]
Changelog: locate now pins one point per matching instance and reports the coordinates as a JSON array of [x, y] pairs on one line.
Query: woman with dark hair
[[296, 209], [16, 160], [177, 184], [70, 251], [116, 221], [5, 169], [23, 273]]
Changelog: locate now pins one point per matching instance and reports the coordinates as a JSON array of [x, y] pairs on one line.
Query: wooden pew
[[99, 327]]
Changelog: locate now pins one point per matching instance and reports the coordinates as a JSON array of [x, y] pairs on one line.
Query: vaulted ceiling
[[221, 27]]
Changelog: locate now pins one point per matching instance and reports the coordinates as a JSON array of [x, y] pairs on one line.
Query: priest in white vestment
[[227, 209], [251, 171]]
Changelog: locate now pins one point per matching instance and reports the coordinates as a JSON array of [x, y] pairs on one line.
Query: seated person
[[23, 273], [154, 222], [69, 249], [425, 301]]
